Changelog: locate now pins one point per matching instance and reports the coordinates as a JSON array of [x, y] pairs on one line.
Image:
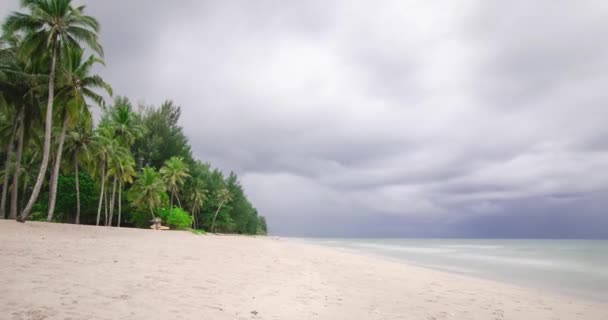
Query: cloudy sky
[[393, 118]]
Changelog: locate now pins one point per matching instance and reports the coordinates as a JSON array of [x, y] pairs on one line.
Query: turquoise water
[[575, 267]]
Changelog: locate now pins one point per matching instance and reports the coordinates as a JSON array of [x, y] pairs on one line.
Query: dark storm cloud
[[409, 118]]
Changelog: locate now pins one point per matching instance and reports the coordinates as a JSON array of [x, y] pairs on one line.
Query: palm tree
[[222, 197], [198, 196], [103, 144], [125, 176], [120, 167], [21, 82], [8, 132], [175, 173], [79, 146], [77, 86], [50, 27], [124, 122], [147, 190]]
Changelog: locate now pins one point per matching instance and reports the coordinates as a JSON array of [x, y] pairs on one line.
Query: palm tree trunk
[[178, 202], [112, 201], [103, 184], [215, 216], [48, 128], [194, 219], [106, 209], [171, 207], [7, 170], [15, 191], [119, 201], [77, 184], [55, 173]]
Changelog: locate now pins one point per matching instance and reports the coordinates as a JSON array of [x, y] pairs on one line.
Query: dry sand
[[54, 271]]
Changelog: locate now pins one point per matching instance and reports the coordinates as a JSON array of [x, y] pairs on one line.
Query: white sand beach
[[55, 271]]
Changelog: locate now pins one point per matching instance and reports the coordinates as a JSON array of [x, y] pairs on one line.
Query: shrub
[[179, 219]]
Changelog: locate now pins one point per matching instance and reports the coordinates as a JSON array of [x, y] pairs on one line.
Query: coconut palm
[[197, 197], [77, 85], [223, 196], [126, 174], [22, 82], [120, 167], [79, 145], [50, 27], [147, 190], [103, 145], [8, 131], [124, 122], [174, 173]]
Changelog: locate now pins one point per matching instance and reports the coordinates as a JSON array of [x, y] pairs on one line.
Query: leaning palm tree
[[77, 85], [222, 197], [174, 172], [147, 190], [21, 83], [50, 27]]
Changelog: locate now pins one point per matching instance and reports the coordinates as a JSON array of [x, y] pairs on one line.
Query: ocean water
[[572, 267]]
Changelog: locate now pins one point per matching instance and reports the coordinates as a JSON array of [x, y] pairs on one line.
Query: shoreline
[[59, 271], [544, 288]]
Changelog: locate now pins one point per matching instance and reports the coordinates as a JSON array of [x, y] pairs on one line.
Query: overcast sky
[[384, 118]]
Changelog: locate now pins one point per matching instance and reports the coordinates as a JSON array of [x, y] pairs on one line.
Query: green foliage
[[147, 191], [178, 219], [146, 142], [66, 198], [163, 137]]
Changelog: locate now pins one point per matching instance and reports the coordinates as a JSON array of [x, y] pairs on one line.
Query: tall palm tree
[[223, 196], [119, 162], [8, 132], [50, 27], [22, 82], [147, 190], [174, 172], [79, 146], [126, 174], [197, 197], [77, 85], [103, 144]]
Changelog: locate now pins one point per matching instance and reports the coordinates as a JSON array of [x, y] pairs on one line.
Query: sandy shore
[[53, 271]]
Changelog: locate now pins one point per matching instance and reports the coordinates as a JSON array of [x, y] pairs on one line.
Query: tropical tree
[[125, 175], [21, 83], [104, 147], [78, 85], [50, 28], [125, 122], [222, 197], [147, 190], [7, 131], [121, 168], [174, 173], [79, 147], [197, 197]]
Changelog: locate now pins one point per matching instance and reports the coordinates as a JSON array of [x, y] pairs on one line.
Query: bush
[[179, 219]]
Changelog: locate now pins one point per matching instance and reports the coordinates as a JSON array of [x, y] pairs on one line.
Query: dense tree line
[[134, 165]]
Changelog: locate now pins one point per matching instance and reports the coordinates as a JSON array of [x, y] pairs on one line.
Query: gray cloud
[[412, 118]]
